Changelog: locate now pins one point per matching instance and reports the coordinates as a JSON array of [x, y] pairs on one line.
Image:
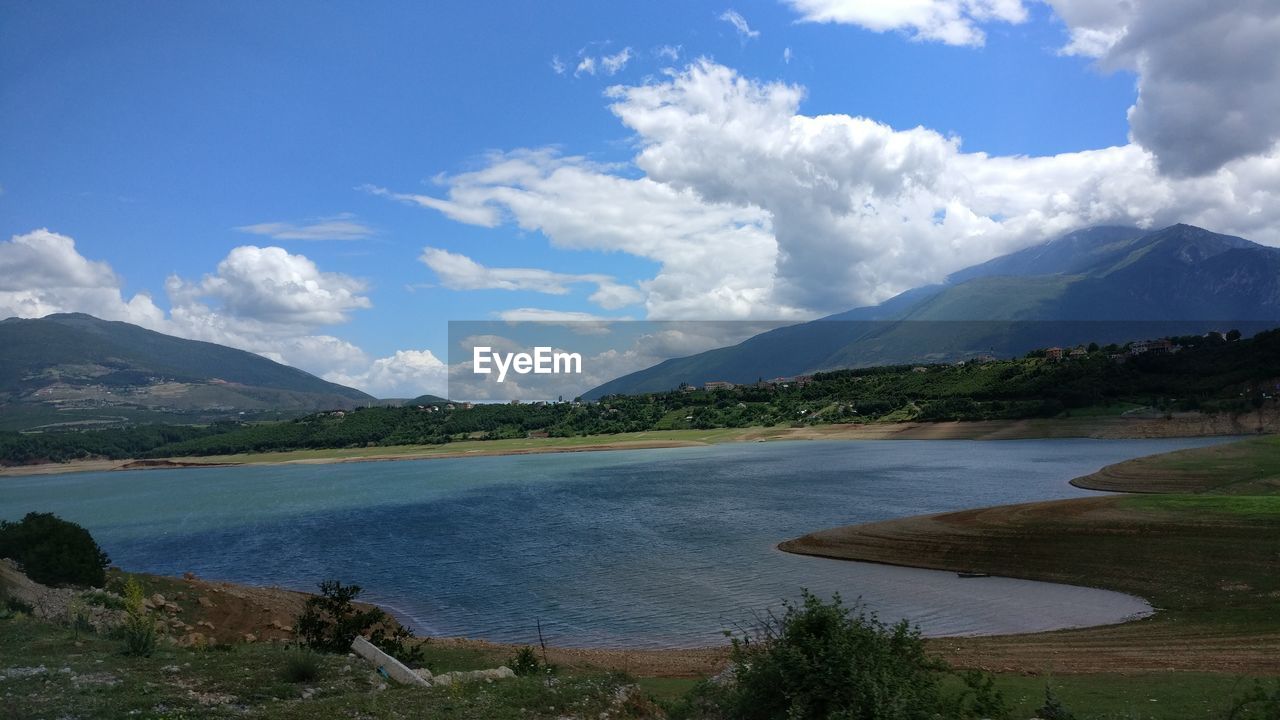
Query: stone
[[250, 637], [462, 676], [390, 666], [157, 600], [204, 601]]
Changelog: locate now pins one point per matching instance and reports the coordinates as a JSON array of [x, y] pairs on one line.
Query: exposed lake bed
[[646, 548]]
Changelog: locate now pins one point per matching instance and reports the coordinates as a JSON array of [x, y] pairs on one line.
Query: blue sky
[[153, 134]]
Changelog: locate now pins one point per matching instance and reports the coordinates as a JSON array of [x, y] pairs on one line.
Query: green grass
[[1257, 506], [1141, 696], [91, 678]]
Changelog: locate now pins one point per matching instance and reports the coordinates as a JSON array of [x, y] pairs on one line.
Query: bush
[[330, 621], [525, 662], [301, 666], [139, 629], [1053, 709], [102, 598], [821, 660], [53, 551]]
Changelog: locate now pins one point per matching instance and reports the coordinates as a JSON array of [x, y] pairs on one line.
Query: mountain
[[74, 369], [1103, 284]]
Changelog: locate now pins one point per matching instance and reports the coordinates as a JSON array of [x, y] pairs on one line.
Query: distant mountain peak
[[1187, 278]]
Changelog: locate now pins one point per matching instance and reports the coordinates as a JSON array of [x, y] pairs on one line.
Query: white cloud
[[271, 285], [1208, 73], [755, 210], [557, 65], [603, 64], [459, 272], [41, 272], [786, 56], [471, 213], [717, 259], [613, 64], [670, 53], [338, 227], [406, 374], [954, 22], [739, 23]]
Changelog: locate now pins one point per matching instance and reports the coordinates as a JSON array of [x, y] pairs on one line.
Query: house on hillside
[[1054, 354], [1163, 345], [718, 385]]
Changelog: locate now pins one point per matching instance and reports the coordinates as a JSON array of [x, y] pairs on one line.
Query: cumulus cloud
[[459, 272], [756, 210], [739, 23], [338, 227], [41, 272], [1208, 74], [954, 22], [272, 285], [406, 374]]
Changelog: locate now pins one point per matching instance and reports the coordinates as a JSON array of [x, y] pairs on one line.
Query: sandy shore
[[1179, 425]]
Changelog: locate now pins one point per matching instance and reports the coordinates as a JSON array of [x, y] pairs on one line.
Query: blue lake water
[[645, 548]]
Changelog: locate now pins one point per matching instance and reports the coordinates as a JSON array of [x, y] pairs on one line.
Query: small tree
[[53, 551], [330, 621]]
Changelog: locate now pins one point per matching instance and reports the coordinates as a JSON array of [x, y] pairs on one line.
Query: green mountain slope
[[77, 369], [1104, 284]]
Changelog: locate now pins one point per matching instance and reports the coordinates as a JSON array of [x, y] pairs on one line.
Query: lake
[[643, 548]]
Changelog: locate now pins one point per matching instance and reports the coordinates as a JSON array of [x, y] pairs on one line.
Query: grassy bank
[[1209, 562], [1111, 427]]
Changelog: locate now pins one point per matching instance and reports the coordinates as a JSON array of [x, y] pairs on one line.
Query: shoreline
[[1107, 427], [1212, 585]]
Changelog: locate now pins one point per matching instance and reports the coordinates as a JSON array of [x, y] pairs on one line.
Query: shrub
[[78, 618], [53, 551], [1053, 709], [821, 660], [102, 598], [301, 666], [331, 620], [139, 630], [525, 662]]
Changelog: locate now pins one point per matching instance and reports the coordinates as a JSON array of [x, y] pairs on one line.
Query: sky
[[329, 184]]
